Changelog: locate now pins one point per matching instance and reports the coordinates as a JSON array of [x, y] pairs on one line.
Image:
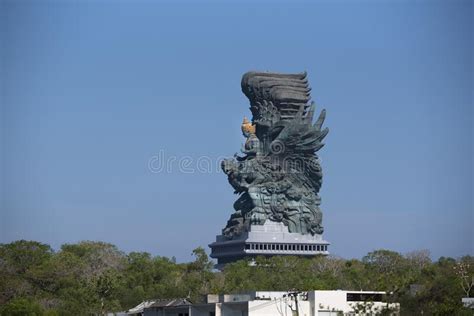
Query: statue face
[[228, 166]]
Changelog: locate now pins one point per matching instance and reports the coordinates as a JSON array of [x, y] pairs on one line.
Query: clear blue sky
[[91, 90]]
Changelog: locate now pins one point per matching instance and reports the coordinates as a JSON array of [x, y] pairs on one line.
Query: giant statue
[[277, 175]]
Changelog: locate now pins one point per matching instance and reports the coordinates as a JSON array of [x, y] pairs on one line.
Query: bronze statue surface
[[279, 176]]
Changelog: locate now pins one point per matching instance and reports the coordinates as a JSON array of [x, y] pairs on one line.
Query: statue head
[[247, 128]]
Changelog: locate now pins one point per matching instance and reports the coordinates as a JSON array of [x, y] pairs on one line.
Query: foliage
[[95, 277], [21, 307]]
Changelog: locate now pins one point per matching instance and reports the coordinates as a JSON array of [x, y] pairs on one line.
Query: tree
[[198, 274], [21, 255], [94, 277], [464, 270], [388, 269], [97, 256], [355, 276], [419, 259], [17, 260], [104, 287], [21, 307]]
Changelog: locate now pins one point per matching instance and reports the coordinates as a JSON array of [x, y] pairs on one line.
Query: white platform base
[[269, 239]]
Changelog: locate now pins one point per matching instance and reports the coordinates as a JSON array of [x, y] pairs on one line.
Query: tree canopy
[[95, 277]]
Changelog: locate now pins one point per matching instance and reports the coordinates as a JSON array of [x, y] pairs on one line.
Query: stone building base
[[269, 239]]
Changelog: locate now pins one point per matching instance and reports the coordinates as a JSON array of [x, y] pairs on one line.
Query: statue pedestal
[[269, 239]]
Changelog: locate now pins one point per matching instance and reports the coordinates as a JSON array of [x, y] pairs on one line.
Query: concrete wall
[[235, 298], [152, 312], [168, 311], [283, 306], [328, 301], [235, 309], [202, 310], [321, 302]]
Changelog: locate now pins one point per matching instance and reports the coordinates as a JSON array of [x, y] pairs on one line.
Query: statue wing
[[299, 136], [280, 105]]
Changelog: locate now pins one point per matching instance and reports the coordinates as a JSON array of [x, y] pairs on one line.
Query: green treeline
[[90, 278]]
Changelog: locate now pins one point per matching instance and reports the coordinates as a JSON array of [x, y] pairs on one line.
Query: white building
[[468, 302], [262, 303]]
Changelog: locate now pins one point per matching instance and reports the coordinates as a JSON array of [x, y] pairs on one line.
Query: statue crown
[[248, 127]]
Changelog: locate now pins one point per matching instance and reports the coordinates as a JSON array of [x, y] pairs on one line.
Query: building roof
[[172, 302], [140, 307]]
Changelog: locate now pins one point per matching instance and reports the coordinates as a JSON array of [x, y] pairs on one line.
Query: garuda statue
[[278, 175]]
